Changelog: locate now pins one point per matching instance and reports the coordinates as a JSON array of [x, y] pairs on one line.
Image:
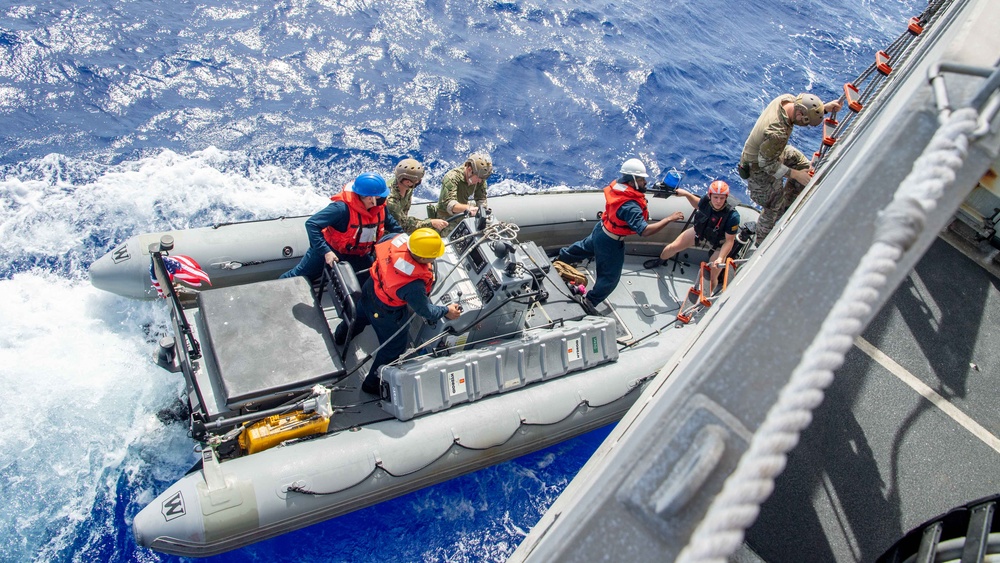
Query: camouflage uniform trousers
[[775, 195]]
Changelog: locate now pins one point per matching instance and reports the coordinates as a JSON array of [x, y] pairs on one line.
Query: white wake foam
[[80, 393]]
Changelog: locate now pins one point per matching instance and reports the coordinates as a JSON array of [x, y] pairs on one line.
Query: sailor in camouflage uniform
[[408, 175], [462, 184], [767, 158]]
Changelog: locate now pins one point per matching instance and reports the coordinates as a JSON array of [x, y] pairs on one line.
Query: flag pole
[[157, 251]]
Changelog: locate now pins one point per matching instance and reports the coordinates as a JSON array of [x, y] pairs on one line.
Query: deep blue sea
[[125, 116]]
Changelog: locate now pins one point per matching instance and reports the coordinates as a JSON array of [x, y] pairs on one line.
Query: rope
[[736, 507]]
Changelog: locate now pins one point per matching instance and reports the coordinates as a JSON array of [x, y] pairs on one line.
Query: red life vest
[[616, 195], [360, 221], [394, 267]]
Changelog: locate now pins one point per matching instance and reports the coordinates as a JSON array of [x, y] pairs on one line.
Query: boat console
[[489, 349], [492, 277]]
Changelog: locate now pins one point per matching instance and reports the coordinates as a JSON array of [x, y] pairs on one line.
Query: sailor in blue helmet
[[625, 214], [348, 228]]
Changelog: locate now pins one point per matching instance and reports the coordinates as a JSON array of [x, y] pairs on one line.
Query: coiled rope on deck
[[736, 507]]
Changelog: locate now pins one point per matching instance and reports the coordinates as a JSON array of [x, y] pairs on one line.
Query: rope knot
[[901, 223]]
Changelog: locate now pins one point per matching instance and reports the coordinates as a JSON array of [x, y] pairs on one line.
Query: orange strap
[[730, 263], [699, 293], [705, 284], [829, 139], [687, 310]]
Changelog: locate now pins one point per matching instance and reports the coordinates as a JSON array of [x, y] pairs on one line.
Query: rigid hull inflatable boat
[[286, 436]]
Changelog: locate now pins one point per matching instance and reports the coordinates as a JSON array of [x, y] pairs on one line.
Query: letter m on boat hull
[[173, 507]]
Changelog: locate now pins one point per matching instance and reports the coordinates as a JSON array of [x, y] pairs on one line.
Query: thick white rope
[[736, 507]]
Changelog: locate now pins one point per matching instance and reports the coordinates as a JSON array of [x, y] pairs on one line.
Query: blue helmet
[[370, 184]]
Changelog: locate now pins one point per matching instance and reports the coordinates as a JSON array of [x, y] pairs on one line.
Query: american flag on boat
[[182, 268]]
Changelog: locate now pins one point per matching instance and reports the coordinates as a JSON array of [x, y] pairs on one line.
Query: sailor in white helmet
[[625, 213]]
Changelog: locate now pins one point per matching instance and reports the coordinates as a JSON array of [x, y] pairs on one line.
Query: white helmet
[[633, 167]]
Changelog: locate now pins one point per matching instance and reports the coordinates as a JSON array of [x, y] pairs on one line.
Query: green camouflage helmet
[[811, 106]]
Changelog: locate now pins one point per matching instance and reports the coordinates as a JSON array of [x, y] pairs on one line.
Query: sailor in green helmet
[[408, 175]]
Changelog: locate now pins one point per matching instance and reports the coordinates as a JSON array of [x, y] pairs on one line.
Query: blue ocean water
[[135, 116]]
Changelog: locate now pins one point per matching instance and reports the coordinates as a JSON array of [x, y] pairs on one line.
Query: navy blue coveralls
[[609, 252], [387, 320], [335, 215]]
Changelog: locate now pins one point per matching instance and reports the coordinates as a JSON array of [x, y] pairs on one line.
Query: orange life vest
[[394, 267], [364, 226], [615, 196]]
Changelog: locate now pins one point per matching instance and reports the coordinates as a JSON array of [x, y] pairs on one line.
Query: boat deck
[[644, 303]]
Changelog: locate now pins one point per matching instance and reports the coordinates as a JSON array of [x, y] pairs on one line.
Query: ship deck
[[909, 428]]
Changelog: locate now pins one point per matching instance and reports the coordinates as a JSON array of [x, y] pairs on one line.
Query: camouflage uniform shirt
[[768, 138], [454, 189], [399, 207]]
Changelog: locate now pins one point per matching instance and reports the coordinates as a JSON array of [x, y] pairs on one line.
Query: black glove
[[663, 190]]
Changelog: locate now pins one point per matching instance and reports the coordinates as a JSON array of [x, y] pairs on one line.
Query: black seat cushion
[[267, 337]]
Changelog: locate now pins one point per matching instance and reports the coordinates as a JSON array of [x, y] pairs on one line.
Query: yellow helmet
[[426, 243]]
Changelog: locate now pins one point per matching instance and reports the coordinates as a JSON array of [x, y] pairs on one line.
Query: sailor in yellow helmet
[[401, 277]]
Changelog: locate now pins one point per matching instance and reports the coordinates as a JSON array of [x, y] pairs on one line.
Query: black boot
[[340, 337], [371, 386], [588, 307], [340, 334], [653, 263]]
